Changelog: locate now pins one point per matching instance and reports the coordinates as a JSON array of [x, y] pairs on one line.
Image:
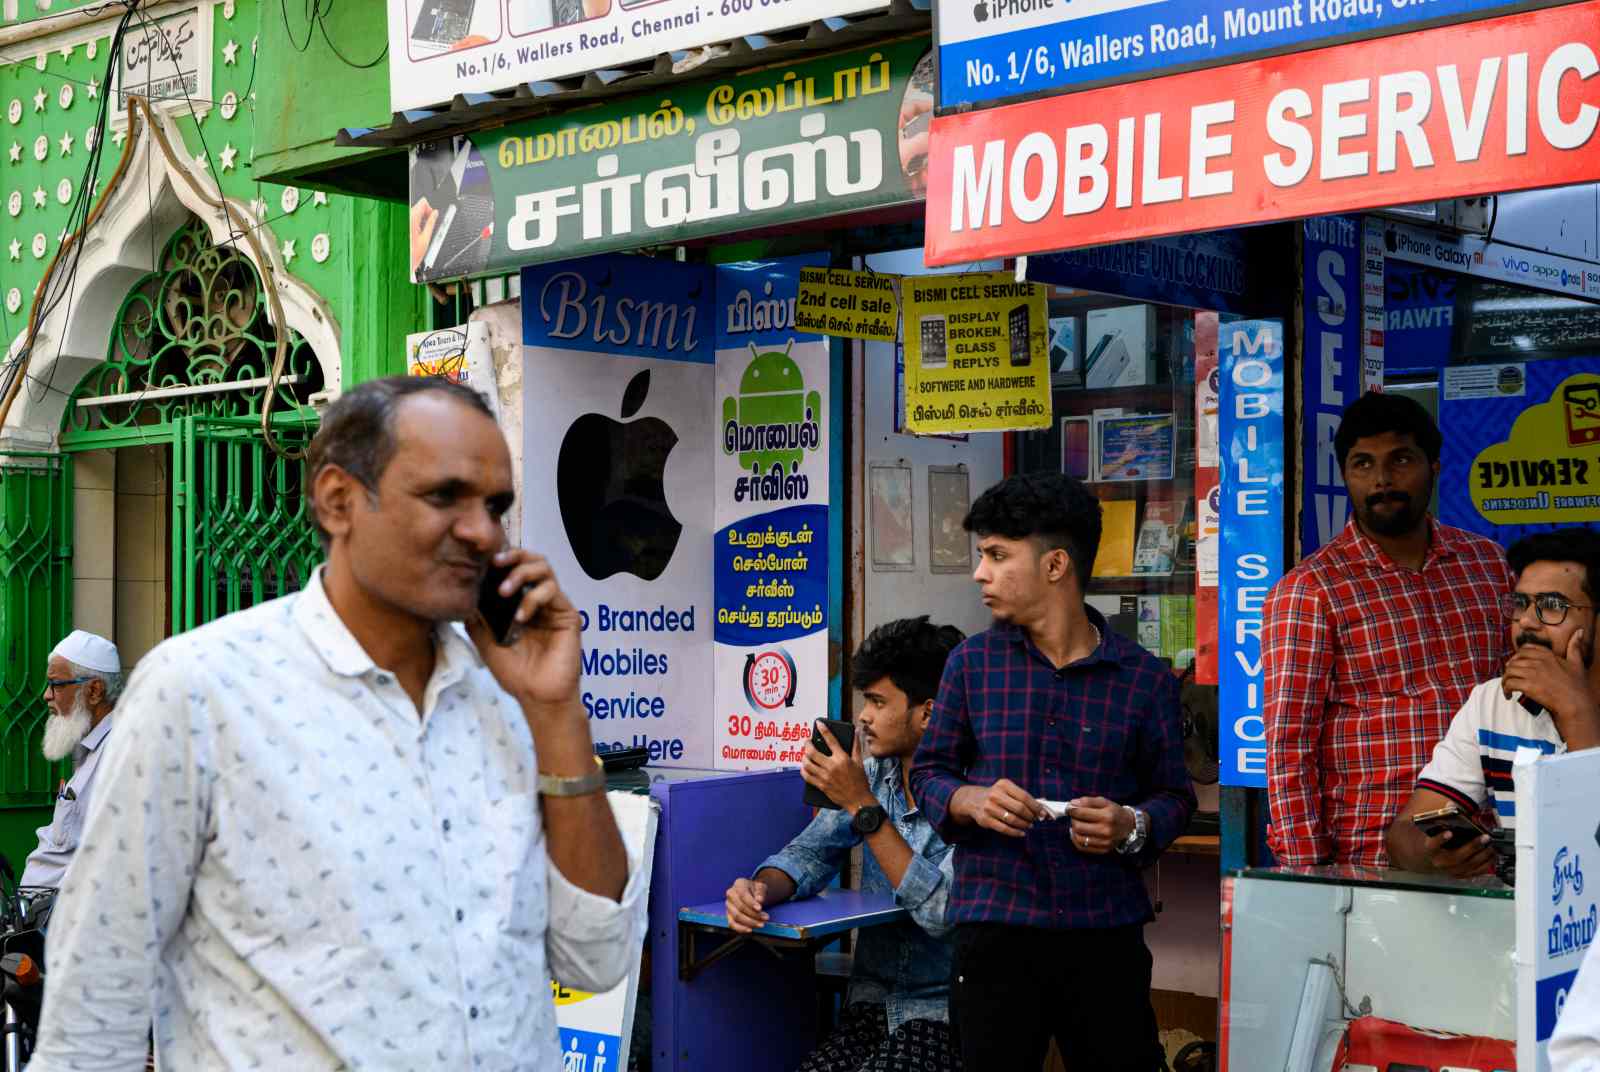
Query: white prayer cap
[[89, 651]]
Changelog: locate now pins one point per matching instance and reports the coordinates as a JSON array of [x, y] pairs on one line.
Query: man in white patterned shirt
[[340, 831]]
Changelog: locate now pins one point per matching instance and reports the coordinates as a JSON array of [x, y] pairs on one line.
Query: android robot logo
[[774, 420]]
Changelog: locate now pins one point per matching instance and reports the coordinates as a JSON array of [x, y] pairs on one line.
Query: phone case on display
[[1107, 362]]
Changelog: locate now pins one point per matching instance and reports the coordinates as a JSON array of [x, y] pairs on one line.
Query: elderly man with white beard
[[82, 680]]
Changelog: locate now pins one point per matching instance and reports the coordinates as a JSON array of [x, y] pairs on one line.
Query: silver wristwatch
[[1141, 830], [554, 785]]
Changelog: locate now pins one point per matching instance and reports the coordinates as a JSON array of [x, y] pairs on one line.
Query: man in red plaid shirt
[[1372, 644]]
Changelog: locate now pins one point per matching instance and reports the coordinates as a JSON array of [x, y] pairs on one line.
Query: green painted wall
[[343, 57], [40, 11], [363, 275], [18, 833]]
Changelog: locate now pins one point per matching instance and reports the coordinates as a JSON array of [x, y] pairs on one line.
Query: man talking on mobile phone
[[339, 830], [1547, 699], [1050, 705]]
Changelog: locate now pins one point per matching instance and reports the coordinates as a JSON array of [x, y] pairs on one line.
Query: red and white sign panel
[[1503, 104]]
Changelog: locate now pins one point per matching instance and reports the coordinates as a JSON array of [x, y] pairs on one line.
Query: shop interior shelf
[[1198, 845], [1145, 489], [1174, 584]]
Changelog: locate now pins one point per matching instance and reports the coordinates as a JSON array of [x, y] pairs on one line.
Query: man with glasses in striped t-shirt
[[1548, 699]]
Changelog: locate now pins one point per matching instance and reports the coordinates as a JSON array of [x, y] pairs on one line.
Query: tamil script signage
[[1558, 812], [991, 50], [1500, 104], [771, 528], [781, 145], [438, 48]]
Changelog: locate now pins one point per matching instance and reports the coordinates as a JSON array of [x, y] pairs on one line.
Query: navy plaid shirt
[[1108, 725]]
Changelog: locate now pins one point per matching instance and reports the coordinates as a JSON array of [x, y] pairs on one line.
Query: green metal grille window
[[199, 319], [35, 608]]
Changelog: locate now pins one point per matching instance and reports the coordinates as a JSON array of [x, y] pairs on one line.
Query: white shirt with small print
[[286, 868], [58, 841]]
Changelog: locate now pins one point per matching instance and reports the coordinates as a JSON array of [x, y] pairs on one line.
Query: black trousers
[[1012, 988]]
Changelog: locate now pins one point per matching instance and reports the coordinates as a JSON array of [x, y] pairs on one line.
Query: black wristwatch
[[868, 819]]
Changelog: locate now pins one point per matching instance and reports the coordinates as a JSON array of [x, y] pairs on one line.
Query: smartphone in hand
[[1450, 820], [845, 734], [499, 612]]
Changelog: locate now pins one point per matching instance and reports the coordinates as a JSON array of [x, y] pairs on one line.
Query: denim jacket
[[904, 966]]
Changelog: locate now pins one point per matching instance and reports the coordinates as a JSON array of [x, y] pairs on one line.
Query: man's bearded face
[[63, 733]]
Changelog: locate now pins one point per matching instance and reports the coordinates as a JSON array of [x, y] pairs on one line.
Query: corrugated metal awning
[[478, 111]]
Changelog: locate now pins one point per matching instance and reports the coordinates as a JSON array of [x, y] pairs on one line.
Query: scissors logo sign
[[1582, 403]]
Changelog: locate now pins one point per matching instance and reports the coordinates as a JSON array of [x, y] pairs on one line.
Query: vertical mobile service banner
[[617, 379], [1521, 449], [1331, 248], [770, 547], [1251, 439]]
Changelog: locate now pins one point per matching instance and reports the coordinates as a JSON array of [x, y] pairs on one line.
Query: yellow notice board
[[855, 305], [975, 354]]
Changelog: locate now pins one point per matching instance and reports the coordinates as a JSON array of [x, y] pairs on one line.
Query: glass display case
[[1343, 967]]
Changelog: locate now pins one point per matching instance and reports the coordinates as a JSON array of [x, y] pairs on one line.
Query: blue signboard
[[1203, 271], [1250, 561], [1419, 306], [1521, 451], [991, 50], [1331, 378]]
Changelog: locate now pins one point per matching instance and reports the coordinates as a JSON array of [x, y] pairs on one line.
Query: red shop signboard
[[1484, 107]]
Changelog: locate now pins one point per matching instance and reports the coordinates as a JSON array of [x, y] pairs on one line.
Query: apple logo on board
[[610, 491], [980, 11]]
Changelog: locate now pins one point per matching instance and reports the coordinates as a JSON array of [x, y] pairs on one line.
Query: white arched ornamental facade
[[154, 192]]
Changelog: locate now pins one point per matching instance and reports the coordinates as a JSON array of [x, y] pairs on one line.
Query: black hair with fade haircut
[[909, 652], [357, 431], [1576, 544], [1375, 413], [1052, 508]]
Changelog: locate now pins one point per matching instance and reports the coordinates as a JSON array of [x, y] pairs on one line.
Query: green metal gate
[[35, 609], [240, 530]]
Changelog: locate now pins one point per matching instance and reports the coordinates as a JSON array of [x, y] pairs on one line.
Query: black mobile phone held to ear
[[499, 612], [845, 734]]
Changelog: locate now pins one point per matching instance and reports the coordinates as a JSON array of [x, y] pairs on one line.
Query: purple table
[[805, 925]]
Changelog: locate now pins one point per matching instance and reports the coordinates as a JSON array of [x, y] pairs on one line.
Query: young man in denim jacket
[[897, 1016]]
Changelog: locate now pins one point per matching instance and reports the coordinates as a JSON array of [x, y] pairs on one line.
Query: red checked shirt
[[1366, 662]]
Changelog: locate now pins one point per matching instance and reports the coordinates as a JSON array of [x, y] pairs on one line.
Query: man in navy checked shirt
[[1046, 711]]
